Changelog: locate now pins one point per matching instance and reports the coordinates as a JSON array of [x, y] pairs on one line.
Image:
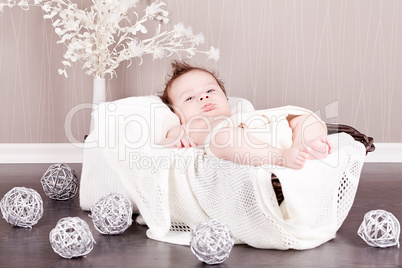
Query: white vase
[[99, 96]]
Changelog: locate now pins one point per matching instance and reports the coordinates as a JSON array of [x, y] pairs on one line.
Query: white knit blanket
[[174, 190]]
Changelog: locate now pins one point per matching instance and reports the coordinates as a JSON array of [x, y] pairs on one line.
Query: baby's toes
[[323, 138], [330, 146], [298, 165], [303, 155]]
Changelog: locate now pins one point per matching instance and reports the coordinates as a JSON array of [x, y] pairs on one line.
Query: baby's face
[[197, 93]]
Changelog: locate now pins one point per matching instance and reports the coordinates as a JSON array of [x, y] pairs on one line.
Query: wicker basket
[[332, 128]]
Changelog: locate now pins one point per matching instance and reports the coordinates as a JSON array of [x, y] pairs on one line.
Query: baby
[[199, 99]]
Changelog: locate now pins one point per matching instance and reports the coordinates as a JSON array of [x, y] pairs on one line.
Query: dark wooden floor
[[380, 188]]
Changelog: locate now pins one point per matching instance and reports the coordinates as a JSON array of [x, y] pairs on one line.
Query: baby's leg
[[309, 135], [294, 158], [317, 148], [236, 145]]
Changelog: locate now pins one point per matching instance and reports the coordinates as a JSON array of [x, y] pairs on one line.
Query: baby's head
[[192, 91]]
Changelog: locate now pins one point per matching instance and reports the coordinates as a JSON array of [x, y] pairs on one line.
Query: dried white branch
[[103, 36]]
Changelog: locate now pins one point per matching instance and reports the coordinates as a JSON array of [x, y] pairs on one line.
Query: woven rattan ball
[[71, 238], [22, 207], [380, 229], [112, 214], [59, 182], [211, 242]]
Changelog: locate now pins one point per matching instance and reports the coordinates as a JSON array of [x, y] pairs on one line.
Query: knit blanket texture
[[176, 189]]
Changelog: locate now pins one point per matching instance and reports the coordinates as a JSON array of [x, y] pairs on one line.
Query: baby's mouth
[[208, 107]]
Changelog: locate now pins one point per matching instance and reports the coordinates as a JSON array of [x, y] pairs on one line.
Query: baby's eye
[[189, 98], [210, 90]]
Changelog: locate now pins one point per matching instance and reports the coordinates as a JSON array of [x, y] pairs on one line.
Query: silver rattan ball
[[380, 228], [71, 238], [60, 182], [211, 242], [112, 214], [22, 207]]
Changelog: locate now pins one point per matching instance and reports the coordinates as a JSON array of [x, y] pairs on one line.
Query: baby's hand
[[186, 142], [178, 138]]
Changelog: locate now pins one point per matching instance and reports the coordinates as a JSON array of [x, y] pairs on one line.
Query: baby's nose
[[204, 97]]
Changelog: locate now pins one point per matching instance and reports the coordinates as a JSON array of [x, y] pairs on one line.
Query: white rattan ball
[[112, 214], [60, 182], [211, 242], [22, 207], [71, 238], [380, 229]]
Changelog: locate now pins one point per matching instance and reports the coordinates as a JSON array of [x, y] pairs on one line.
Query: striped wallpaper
[[341, 58]]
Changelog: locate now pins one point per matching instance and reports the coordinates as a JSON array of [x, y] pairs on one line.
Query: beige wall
[[344, 54]]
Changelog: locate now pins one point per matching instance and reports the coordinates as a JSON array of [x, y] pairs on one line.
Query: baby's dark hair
[[178, 69]]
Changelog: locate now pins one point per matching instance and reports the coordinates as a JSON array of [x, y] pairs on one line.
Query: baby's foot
[[294, 158], [318, 148]]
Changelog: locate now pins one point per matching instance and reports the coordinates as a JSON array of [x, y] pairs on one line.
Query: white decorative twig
[[103, 36]]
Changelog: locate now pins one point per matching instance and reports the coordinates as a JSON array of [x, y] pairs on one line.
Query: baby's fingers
[[189, 142], [193, 142], [178, 145], [186, 142]]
